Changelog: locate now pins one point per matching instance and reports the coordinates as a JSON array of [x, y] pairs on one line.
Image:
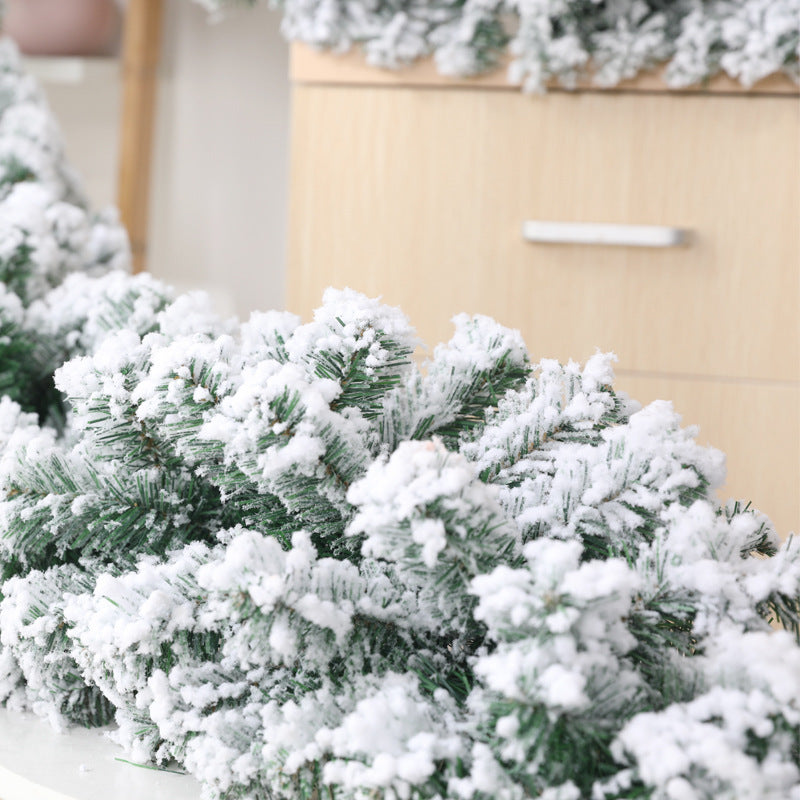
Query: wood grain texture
[[756, 426], [308, 65], [140, 56], [419, 196]]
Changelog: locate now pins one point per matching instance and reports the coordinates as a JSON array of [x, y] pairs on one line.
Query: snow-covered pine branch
[[46, 234], [557, 40]]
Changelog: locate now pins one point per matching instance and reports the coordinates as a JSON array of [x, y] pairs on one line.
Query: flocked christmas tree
[[302, 566]]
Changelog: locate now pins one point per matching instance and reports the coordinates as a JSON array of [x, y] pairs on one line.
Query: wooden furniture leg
[[140, 56]]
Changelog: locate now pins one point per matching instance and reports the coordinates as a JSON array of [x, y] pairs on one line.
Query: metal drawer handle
[[598, 233]]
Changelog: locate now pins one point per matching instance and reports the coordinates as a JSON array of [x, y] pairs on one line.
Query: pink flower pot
[[63, 27]]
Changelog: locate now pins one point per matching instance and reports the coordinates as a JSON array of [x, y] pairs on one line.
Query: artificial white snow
[[696, 750], [55, 236], [265, 333], [80, 312], [348, 323], [10, 308], [392, 739]]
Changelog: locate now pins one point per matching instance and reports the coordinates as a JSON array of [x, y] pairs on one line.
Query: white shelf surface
[[71, 69], [37, 763]]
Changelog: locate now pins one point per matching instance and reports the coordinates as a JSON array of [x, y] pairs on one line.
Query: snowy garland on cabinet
[[558, 40], [301, 565]]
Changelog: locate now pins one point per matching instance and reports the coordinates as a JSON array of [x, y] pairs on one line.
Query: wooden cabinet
[[419, 194]]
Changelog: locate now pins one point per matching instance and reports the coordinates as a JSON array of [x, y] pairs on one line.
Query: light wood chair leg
[[141, 47]]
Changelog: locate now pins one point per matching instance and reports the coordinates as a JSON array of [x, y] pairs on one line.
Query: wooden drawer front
[[756, 425], [420, 195]]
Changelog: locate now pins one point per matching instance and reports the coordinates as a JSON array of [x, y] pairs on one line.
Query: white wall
[[219, 183], [219, 192], [84, 95]]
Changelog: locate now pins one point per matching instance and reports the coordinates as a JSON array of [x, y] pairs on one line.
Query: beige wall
[[219, 185]]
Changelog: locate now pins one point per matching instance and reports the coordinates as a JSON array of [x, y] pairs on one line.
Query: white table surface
[[36, 763]]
